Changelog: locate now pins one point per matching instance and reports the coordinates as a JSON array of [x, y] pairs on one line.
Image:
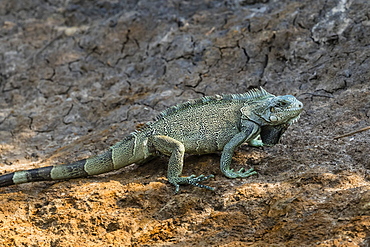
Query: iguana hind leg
[[176, 150]]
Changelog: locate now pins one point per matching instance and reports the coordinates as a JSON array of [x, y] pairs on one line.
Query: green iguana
[[206, 125]]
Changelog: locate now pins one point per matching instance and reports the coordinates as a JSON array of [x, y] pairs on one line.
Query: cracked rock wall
[[77, 76]]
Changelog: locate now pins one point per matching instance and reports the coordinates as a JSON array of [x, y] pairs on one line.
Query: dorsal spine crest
[[255, 94], [252, 95]]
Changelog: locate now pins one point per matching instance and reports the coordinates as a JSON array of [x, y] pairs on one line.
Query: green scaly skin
[[207, 125]]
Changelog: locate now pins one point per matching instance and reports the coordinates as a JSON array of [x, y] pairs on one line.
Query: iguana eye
[[281, 104]]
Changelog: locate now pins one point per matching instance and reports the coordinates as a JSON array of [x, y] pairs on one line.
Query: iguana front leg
[[256, 142], [176, 150], [247, 134]]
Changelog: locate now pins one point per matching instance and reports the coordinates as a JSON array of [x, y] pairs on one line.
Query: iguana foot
[[255, 143], [193, 180], [239, 174]]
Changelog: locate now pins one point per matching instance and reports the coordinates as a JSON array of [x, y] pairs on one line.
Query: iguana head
[[282, 109], [273, 110]]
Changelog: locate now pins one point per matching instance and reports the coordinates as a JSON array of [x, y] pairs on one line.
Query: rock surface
[[77, 76]]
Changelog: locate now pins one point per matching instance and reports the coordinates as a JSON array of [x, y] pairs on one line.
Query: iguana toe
[[193, 180], [239, 174]]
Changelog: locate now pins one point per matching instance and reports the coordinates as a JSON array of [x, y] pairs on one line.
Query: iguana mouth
[[297, 107], [294, 120], [294, 112]]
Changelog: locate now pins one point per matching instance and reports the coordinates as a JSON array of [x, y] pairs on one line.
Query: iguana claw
[[240, 174], [193, 180]]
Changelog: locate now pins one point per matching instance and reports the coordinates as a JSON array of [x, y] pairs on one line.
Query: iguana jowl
[[207, 125]]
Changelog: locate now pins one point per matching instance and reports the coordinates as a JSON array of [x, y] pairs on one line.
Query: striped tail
[[82, 168]]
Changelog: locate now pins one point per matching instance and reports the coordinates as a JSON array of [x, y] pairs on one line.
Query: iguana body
[[207, 125]]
